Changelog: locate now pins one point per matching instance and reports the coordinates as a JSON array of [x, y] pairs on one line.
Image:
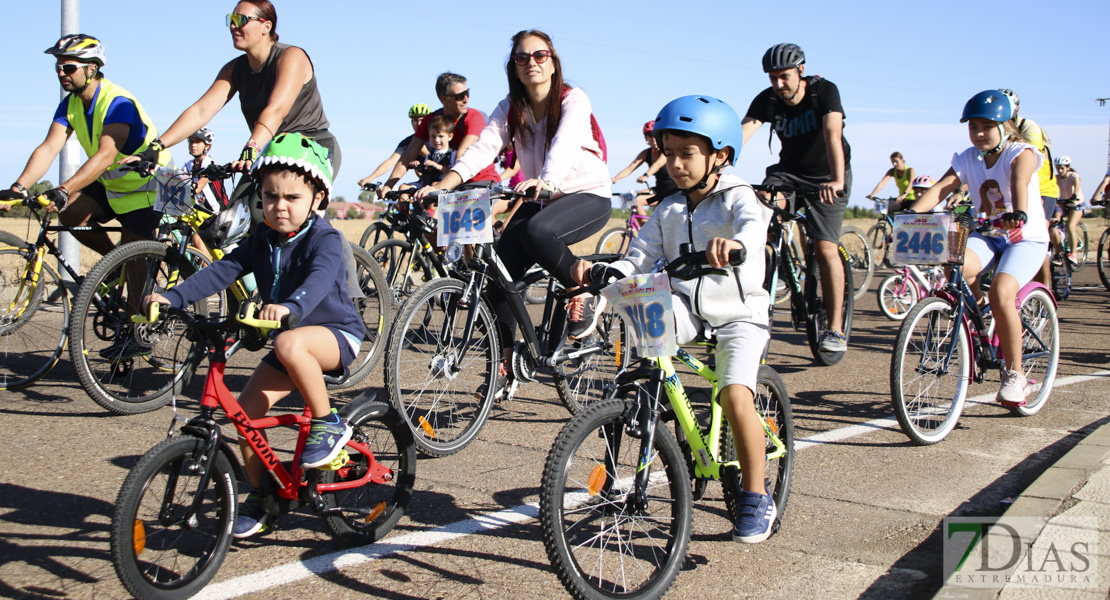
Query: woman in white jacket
[[550, 127]]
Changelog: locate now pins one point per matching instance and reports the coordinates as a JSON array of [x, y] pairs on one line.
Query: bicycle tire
[[369, 512], [859, 257], [31, 317], [374, 234], [614, 241], [1081, 248], [582, 383], [11, 240], [897, 296], [442, 402], [1039, 316], [773, 404], [100, 317], [817, 319], [151, 542], [876, 238], [374, 308], [781, 293], [218, 305], [1102, 260], [1061, 278], [394, 258], [587, 526], [926, 399]]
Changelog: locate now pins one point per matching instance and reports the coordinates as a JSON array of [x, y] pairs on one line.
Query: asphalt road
[[863, 519]]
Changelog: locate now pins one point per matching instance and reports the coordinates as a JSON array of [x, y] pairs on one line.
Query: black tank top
[[307, 114]]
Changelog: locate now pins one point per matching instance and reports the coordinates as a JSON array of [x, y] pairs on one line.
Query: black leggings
[[543, 237]]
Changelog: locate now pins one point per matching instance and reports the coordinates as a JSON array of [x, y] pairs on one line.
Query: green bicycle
[[616, 499]]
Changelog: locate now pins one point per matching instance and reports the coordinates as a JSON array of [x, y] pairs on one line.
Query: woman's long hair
[[518, 95]]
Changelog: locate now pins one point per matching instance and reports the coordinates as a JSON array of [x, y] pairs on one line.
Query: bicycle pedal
[[340, 461]]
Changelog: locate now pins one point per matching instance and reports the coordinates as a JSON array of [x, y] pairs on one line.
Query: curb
[[1041, 500]]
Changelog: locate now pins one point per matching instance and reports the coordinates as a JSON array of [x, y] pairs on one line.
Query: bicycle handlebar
[[28, 201], [245, 317], [500, 191], [797, 191]]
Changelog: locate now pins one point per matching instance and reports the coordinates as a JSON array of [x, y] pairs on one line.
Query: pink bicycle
[[899, 292], [617, 239]]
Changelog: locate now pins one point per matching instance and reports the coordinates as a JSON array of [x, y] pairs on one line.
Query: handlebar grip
[[737, 257], [290, 321]]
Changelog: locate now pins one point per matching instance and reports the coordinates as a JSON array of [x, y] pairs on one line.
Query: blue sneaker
[[325, 439], [757, 516], [252, 517]]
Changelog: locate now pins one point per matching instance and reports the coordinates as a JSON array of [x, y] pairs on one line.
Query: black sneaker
[[252, 517], [582, 313]]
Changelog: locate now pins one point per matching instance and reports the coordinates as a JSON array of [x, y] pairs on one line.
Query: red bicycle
[[173, 519]]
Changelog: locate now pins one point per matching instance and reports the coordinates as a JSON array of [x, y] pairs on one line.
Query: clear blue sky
[[904, 69]]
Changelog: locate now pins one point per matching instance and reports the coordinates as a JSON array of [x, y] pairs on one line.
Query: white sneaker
[[1013, 390]]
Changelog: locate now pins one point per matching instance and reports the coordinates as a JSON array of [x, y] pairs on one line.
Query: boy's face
[[440, 140], [687, 159], [197, 147], [287, 200]]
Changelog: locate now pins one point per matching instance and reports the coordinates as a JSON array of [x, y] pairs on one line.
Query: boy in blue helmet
[[717, 213]]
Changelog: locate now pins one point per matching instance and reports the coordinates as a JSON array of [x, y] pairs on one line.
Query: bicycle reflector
[[596, 480], [427, 427], [138, 537], [379, 508]]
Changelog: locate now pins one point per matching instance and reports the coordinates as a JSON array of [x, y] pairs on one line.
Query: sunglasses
[[540, 56], [69, 68], [237, 20], [463, 95]]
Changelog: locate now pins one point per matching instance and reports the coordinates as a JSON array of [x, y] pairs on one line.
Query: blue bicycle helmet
[[705, 116], [993, 105]]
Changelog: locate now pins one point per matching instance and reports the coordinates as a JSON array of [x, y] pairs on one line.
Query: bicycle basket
[[175, 192]]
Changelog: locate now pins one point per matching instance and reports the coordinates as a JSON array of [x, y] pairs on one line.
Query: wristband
[[19, 188]]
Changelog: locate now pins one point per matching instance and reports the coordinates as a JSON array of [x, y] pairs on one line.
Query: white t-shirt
[[992, 186], [207, 197]]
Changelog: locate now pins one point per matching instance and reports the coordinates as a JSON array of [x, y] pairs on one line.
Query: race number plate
[[921, 239], [644, 303], [175, 192], [464, 217]]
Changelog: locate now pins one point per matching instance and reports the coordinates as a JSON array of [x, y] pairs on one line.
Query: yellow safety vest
[[126, 190]]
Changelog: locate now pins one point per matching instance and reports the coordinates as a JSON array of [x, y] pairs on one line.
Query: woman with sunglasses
[[550, 127], [276, 85]]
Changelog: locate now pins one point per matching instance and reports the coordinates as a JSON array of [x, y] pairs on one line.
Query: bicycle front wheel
[[897, 296], [395, 258], [34, 319], [581, 381], [930, 372], [1040, 348], [374, 307], [1061, 278], [818, 319], [368, 512], [124, 367], [375, 233], [876, 239], [859, 258], [1102, 260], [1081, 247], [439, 376], [614, 241], [604, 539], [169, 535]]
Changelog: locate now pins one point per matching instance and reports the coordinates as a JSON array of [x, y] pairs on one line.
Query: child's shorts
[[1021, 261], [348, 348], [739, 350]]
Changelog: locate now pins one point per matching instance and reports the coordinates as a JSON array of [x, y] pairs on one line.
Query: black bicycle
[[807, 303]]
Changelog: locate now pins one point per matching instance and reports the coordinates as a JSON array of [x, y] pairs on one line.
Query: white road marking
[[301, 569]]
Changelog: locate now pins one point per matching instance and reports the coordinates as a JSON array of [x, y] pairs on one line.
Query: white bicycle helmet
[[205, 135], [922, 182], [84, 48], [1063, 160]]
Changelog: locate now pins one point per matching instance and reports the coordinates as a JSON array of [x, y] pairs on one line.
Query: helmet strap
[[709, 170], [88, 79], [998, 148]]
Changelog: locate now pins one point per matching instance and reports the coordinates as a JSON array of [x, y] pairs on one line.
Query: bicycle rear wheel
[[1061, 278], [169, 536], [581, 382], [375, 310], [603, 544], [773, 404], [897, 296], [369, 512], [614, 241], [34, 320], [818, 319], [1040, 348], [124, 367], [928, 385], [859, 258], [444, 396]]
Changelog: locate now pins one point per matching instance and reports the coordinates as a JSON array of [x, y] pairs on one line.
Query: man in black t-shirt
[[806, 114]]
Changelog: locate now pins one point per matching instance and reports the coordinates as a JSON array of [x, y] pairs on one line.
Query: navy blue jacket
[[307, 274]]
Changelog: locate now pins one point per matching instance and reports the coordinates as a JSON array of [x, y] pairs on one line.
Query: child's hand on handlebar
[[716, 251], [272, 312], [144, 306]]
